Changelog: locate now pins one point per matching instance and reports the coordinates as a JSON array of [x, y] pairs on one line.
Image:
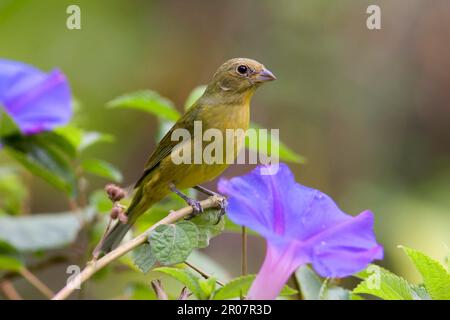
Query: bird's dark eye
[[242, 69]]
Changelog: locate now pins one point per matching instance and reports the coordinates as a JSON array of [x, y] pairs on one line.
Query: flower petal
[[260, 201], [278, 265], [345, 248], [34, 100], [285, 213]]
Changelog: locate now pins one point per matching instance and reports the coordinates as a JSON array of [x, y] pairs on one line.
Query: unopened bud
[[115, 193], [123, 217], [115, 212]]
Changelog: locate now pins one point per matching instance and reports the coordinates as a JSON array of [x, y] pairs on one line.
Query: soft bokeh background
[[369, 109]]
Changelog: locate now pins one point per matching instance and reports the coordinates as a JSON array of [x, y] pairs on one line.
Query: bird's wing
[[166, 144]]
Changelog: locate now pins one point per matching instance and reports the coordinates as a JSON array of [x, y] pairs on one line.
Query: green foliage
[[51, 155], [100, 202], [206, 288], [189, 279], [194, 96], [171, 244], [7, 125], [148, 101], [435, 277], [382, 283], [144, 258], [386, 285], [80, 139], [239, 287], [45, 155], [314, 288], [9, 263], [12, 191], [139, 291], [209, 225], [263, 145], [102, 168], [41, 232]]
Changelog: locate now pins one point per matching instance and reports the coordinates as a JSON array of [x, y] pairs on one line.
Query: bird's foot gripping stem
[[196, 207], [222, 200], [222, 204]]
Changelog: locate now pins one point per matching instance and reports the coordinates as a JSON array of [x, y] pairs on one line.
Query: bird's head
[[239, 77]]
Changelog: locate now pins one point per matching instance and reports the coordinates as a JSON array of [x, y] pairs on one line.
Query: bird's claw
[[196, 208], [222, 204]]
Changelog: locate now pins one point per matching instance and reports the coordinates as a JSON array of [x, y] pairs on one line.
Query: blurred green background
[[369, 109]]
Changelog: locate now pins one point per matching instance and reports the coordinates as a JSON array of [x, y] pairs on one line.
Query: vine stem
[[93, 266], [9, 291], [202, 273], [35, 282], [244, 251]]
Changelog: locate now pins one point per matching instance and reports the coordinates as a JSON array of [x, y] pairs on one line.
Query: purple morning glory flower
[[36, 101], [301, 225]]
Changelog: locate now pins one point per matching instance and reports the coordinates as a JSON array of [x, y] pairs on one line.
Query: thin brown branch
[[35, 282], [94, 266], [9, 290], [244, 251], [159, 290], [51, 261], [202, 273]]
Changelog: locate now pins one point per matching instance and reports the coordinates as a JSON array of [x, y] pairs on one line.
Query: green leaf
[[172, 244], [148, 101], [102, 168], [9, 263], [209, 265], [239, 287], [139, 291], [41, 231], [72, 134], [186, 277], [287, 291], [7, 249], [100, 201], [314, 288], [207, 286], [447, 261], [383, 284], [164, 127], [310, 283], [263, 145], [91, 138], [210, 223], [435, 277], [191, 230], [44, 159], [7, 125], [419, 292], [13, 191], [143, 258], [194, 96], [58, 142], [81, 139]]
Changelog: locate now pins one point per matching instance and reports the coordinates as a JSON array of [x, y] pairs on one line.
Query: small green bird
[[224, 105]]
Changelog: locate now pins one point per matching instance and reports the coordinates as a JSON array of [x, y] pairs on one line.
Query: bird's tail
[[114, 237], [118, 232]]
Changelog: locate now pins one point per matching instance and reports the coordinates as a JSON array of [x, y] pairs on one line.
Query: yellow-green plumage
[[224, 105]]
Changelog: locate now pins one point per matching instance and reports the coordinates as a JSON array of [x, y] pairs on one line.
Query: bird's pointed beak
[[265, 75]]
